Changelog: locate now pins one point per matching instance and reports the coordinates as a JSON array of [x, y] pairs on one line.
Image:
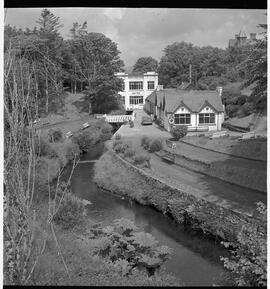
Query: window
[[123, 99], [123, 86], [206, 118], [151, 85], [135, 99], [135, 85], [183, 118]]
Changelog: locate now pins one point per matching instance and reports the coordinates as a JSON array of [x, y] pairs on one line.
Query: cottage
[[200, 110]]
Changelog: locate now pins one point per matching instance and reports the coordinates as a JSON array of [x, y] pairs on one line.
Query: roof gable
[[194, 100]]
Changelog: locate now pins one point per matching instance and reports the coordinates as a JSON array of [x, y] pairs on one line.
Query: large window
[[150, 85], [135, 85], [135, 99], [206, 118], [183, 118]]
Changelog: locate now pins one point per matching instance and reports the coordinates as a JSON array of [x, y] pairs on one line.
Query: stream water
[[195, 259]]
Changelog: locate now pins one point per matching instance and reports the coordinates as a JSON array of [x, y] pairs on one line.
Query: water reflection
[[195, 259]]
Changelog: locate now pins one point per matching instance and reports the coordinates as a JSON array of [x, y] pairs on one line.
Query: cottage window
[[183, 118], [150, 85], [123, 99], [206, 118], [135, 99], [135, 85]]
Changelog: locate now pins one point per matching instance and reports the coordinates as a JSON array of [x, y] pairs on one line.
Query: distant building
[[137, 87], [241, 39], [198, 109]]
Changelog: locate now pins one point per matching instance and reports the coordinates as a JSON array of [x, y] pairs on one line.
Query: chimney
[[219, 90], [252, 36]]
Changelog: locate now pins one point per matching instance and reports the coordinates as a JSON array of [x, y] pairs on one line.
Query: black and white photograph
[[134, 146]]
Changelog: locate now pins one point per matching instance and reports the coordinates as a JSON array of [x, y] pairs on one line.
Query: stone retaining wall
[[118, 176]]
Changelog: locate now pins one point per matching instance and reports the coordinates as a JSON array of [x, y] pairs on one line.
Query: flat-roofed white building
[[137, 87]]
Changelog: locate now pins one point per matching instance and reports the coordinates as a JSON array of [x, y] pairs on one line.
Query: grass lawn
[[253, 148]]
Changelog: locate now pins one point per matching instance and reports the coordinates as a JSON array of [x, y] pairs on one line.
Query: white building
[[137, 88]]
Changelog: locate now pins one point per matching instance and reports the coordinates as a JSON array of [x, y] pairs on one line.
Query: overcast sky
[[147, 31]]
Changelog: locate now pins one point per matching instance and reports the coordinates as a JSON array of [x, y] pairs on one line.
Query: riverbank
[[118, 176]]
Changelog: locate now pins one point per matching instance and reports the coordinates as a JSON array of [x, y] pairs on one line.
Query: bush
[[155, 146], [117, 142], [121, 147], [129, 153], [141, 158], [71, 211], [131, 123], [43, 148], [86, 139], [55, 135], [106, 132], [179, 132], [135, 250], [117, 136], [145, 142], [248, 263]]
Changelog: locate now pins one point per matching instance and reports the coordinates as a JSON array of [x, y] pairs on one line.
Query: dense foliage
[[145, 64], [127, 248], [179, 131], [249, 255]]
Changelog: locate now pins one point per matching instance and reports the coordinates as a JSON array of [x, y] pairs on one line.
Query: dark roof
[[192, 99]]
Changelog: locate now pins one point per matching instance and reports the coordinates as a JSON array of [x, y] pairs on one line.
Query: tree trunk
[[46, 92]]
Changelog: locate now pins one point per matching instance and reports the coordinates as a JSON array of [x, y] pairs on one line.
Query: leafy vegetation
[[249, 255], [145, 64], [155, 145], [128, 249], [71, 211], [179, 131]]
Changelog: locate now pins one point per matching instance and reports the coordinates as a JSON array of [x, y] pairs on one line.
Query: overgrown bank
[[117, 175]]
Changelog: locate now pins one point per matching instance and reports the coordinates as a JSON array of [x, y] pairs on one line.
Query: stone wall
[[118, 176]]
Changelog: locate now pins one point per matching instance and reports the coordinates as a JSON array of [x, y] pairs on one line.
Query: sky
[[142, 32]]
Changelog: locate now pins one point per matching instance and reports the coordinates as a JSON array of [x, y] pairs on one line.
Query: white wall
[[144, 92]]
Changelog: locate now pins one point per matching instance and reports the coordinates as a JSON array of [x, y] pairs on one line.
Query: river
[[195, 259]]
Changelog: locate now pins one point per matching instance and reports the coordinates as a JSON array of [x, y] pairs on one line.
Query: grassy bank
[[63, 248]]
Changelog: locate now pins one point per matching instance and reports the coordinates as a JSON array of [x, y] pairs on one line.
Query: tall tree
[[256, 71], [145, 64], [49, 25], [98, 60]]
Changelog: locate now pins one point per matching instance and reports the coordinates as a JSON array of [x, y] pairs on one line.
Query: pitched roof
[[192, 99]]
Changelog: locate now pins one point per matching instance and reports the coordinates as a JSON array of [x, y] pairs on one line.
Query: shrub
[[43, 148], [129, 153], [145, 142], [106, 132], [249, 255], [179, 132], [117, 142], [131, 123], [135, 250], [141, 158], [118, 136], [120, 148], [86, 139], [55, 135], [155, 145], [71, 211]]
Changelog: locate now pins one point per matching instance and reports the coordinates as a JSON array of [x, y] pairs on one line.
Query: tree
[[97, 59], [256, 70], [206, 62], [145, 64]]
